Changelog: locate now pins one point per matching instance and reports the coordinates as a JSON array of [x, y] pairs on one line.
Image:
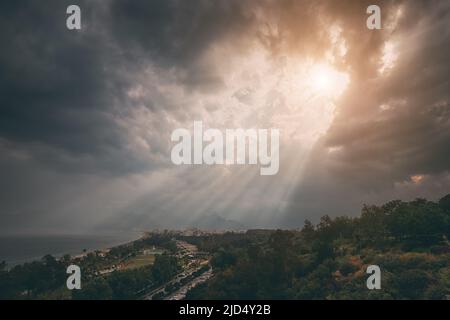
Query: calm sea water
[[19, 249]]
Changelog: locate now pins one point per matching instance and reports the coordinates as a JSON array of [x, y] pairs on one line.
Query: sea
[[20, 249]]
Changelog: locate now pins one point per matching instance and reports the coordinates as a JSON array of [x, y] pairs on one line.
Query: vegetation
[[408, 240], [32, 279], [120, 285], [46, 279]]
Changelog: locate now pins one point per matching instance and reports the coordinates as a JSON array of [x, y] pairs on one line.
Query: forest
[[408, 240]]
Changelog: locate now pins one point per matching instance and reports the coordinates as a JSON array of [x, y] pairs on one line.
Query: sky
[[86, 115]]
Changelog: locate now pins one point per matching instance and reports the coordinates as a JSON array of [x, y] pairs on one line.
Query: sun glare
[[327, 81], [321, 79]]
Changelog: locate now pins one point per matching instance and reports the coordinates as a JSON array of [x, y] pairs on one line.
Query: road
[[188, 251], [181, 293]]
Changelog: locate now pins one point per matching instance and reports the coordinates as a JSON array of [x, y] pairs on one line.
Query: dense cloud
[[390, 136], [86, 116]]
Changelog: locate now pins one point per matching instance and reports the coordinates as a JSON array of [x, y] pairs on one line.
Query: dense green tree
[[419, 221], [3, 266], [223, 259], [371, 226], [164, 268], [444, 203], [411, 284], [308, 230], [97, 289]]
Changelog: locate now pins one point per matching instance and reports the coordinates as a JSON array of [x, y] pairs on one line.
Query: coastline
[[20, 249]]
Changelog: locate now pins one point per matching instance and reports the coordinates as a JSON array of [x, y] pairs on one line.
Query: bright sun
[[327, 81], [321, 79]]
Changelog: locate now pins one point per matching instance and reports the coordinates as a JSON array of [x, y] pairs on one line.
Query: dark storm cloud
[[70, 130], [62, 93], [175, 32], [66, 116], [57, 89], [67, 89], [388, 128], [412, 133]]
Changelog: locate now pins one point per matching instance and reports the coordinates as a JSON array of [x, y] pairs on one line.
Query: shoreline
[[59, 245]]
